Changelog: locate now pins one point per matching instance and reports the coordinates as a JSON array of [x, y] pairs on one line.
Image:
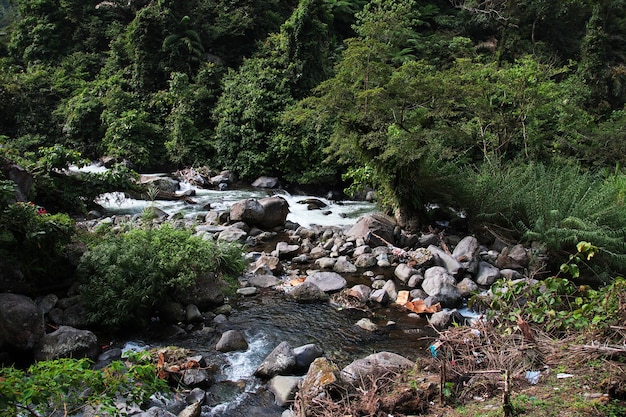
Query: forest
[[511, 112]]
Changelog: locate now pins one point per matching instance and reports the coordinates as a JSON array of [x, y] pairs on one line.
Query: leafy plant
[[125, 276], [556, 303], [559, 205], [72, 385]]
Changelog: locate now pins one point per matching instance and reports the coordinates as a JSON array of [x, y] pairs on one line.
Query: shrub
[[558, 205], [34, 239], [71, 385], [125, 276]]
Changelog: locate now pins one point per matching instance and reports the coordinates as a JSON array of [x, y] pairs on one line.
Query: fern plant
[[558, 205]]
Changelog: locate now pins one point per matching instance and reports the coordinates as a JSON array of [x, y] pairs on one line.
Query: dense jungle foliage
[[511, 111]]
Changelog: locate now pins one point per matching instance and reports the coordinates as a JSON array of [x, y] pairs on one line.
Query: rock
[[365, 260], [307, 292], [510, 274], [415, 280], [428, 239], [391, 290], [191, 411], [438, 282], [265, 182], [321, 374], [196, 377], [326, 262], [343, 266], [442, 259], [275, 211], [515, 257], [280, 361], [284, 388], [74, 316], [360, 292], [108, 356], [232, 234], [249, 211], [466, 252], [373, 365], [47, 303], [67, 342], [318, 252], [263, 281], [286, 251], [268, 264], [486, 274], [444, 319], [169, 185], [367, 324], [313, 203], [153, 412], [467, 286], [247, 291], [520, 255], [205, 293], [172, 312], [196, 395], [327, 281], [21, 322], [375, 229], [306, 354], [379, 296], [403, 272], [231, 340], [193, 314], [20, 176]]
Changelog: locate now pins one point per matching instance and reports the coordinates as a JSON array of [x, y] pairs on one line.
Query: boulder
[[374, 365], [21, 322], [486, 274], [445, 260], [321, 374], [265, 182], [367, 324], [306, 354], [67, 342], [466, 252], [391, 290], [275, 211], [263, 281], [249, 211], [280, 361], [467, 286], [286, 251], [231, 340], [327, 281], [20, 176], [375, 229], [284, 388], [232, 234], [343, 266], [444, 319], [379, 296], [205, 293], [439, 283], [307, 292], [361, 292], [192, 410], [365, 260], [403, 272]]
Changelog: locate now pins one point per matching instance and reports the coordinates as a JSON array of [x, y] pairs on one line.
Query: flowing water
[[271, 317]]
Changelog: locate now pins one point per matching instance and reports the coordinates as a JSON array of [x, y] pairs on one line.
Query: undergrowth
[[558, 205]]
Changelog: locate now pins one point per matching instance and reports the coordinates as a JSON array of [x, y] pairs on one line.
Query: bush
[[125, 276], [558, 205], [71, 385], [33, 239]]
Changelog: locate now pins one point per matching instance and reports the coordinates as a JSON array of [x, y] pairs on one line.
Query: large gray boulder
[[21, 322], [265, 182], [67, 342], [487, 274], [280, 361], [446, 260], [327, 281], [375, 229], [275, 211], [466, 252], [373, 365], [307, 292], [249, 211], [231, 340], [439, 283]]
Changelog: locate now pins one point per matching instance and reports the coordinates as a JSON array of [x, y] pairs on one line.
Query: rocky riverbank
[[427, 274]]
